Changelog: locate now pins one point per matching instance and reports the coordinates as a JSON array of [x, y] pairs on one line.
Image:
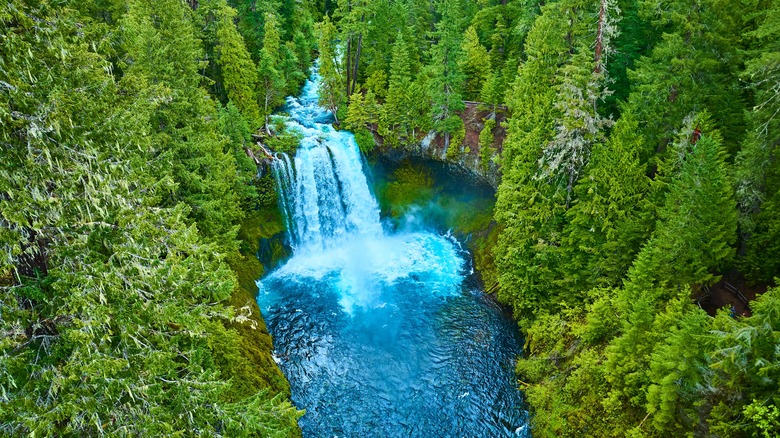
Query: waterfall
[[377, 332], [323, 191]]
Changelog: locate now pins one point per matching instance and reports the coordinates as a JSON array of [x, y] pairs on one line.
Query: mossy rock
[[256, 370]]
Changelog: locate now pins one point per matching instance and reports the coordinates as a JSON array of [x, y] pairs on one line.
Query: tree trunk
[[349, 69], [357, 62], [600, 37]]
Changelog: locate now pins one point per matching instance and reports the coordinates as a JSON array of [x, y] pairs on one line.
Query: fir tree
[[271, 80], [446, 82], [475, 64], [331, 91], [238, 71], [606, 226]]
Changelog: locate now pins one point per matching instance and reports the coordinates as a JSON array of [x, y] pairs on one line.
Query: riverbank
[[256, 345], [477, 154]]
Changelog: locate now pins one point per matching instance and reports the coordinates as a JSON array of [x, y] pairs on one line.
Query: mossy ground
[[258, 371]]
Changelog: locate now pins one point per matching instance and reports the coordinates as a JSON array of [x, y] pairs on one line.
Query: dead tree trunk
[[600, 37]]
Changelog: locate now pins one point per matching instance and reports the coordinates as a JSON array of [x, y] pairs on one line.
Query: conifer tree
[[163, 50], [394, 122], [331, 90], [532, 201], [696, 229], [757, 178], [271, 80], [679, 369], [605, 225], [112, 311], [446, 82], [238, 71], [746, 370], [475, 64]]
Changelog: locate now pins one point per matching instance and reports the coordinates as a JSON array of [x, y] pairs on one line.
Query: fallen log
[[266, 151], [252, 155]]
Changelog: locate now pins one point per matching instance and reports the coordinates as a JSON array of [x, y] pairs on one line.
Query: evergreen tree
[[533, 197], [110, 321], [679, 369], [696, 231], [395, 122], [446, 82], [757, 176], [271, 80], [703, 61], [163, 50], [747, 371], [579, 125], [486, 139], [605, 225], [238, 71], [475, 64], [331, 93]]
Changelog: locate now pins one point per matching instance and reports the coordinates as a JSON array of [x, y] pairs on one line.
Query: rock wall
[[469, 155]]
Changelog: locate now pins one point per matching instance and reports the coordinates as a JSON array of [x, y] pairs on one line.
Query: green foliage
[[606, 226], [696, 227], [764, 419], [606, 231], [238, 71], [331, 93], [362, 111], [446, 78], [365, 140], [475, 64], [282, 139], [271, 61], [121, 189], [486, 141]]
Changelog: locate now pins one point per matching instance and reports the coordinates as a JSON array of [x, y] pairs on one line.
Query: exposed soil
[[473, 117], [729, 293], [473, 120]]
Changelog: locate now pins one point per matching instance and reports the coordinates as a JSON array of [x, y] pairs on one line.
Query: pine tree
[[486, 140], [695, 43], [271, 80], [475, 64], [446, 82], [361, 112], [238, 71], [331, 90], [606, 226]]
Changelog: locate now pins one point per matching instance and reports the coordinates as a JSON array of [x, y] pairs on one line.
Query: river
[[379, 329]]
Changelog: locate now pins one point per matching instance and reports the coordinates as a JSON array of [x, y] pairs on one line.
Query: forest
[[130, 213], [639, 175]]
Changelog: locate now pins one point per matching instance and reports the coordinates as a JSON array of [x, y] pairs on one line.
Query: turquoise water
[[381, 333]]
